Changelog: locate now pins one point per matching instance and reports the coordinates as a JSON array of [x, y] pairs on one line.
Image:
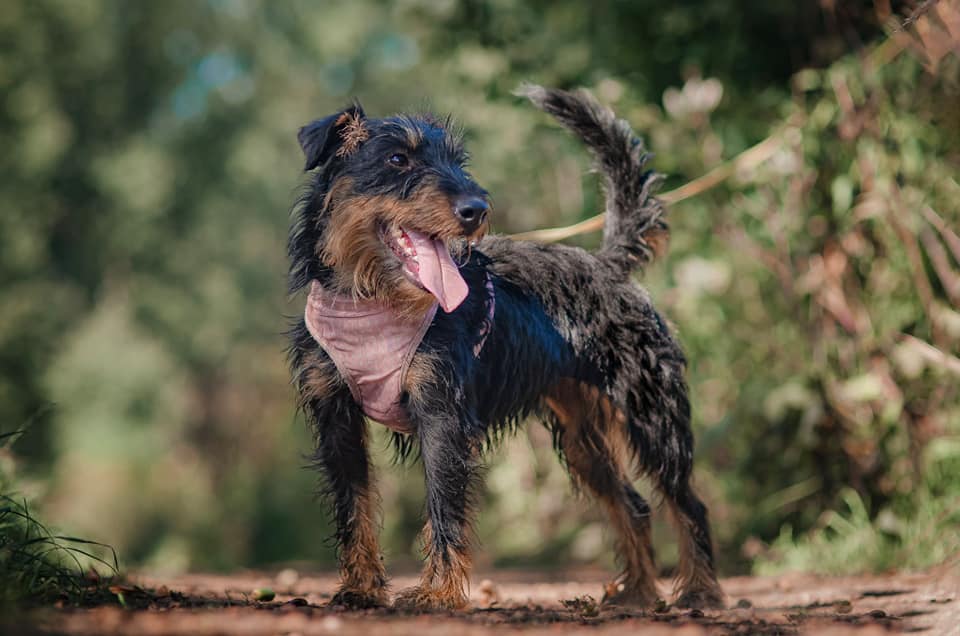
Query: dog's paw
[[701, 599], [420, 598], [630, 595], [355, 599]]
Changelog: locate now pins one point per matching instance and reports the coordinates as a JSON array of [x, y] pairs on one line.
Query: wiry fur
[[573, 341]]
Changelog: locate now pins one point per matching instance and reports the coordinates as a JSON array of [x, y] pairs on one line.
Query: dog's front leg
[[450, 447], [343, 459]]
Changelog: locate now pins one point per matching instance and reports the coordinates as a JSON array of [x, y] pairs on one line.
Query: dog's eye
[[398, 160]]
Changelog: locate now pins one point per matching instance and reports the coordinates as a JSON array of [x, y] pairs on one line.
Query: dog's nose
[[471, 212]]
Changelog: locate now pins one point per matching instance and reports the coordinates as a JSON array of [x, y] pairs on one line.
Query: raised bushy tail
[[635, 223]]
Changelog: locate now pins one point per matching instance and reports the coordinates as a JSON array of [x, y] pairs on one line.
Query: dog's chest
[[375, 349], [372, 348]]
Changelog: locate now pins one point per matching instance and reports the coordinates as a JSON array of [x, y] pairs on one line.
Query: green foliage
[[841, 303], [910, 532], [153, 158]]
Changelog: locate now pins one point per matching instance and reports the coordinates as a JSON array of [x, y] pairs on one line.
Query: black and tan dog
[[418, 320]]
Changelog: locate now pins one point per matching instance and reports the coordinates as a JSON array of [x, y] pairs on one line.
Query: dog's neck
[[326, 300]]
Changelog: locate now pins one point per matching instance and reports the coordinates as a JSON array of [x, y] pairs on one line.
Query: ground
[[533, 603]]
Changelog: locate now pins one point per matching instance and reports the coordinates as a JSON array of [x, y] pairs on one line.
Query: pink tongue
[[438, 273]]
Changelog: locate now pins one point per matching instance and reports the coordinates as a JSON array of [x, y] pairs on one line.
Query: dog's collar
[[372, 347]]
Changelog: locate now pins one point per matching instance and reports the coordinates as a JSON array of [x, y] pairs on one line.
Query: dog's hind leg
[[662, 440], [697, 585], [590, 437]]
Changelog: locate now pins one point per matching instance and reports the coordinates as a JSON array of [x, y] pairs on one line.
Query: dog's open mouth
[[426, 261]]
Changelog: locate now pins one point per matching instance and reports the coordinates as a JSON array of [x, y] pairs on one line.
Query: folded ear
[[337, 135]]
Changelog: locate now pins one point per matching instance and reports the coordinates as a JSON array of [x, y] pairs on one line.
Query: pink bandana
[[372, 348]]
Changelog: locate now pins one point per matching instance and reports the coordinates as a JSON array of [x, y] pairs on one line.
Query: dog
[[418, 319]]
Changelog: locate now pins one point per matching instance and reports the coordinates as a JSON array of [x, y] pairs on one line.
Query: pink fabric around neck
[[372, 348]]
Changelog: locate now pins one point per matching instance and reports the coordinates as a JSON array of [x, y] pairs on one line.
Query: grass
[[38, 565], [850, 542]]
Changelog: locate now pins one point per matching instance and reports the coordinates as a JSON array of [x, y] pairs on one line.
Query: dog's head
[[396, 200]]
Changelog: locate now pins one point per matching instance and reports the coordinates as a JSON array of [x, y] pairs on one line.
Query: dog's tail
[[635, 226]]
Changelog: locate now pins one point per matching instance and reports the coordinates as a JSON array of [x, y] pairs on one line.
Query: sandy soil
[[512, 601]]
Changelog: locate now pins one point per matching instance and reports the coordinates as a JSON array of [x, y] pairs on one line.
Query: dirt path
[[527, 602]]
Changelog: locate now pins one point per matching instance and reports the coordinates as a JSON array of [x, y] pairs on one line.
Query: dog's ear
[[338, 135]]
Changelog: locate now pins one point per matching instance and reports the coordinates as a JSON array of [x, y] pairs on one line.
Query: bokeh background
[[149, 160]]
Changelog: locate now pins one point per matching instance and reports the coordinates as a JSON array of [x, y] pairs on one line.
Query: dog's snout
[[471, 212]]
